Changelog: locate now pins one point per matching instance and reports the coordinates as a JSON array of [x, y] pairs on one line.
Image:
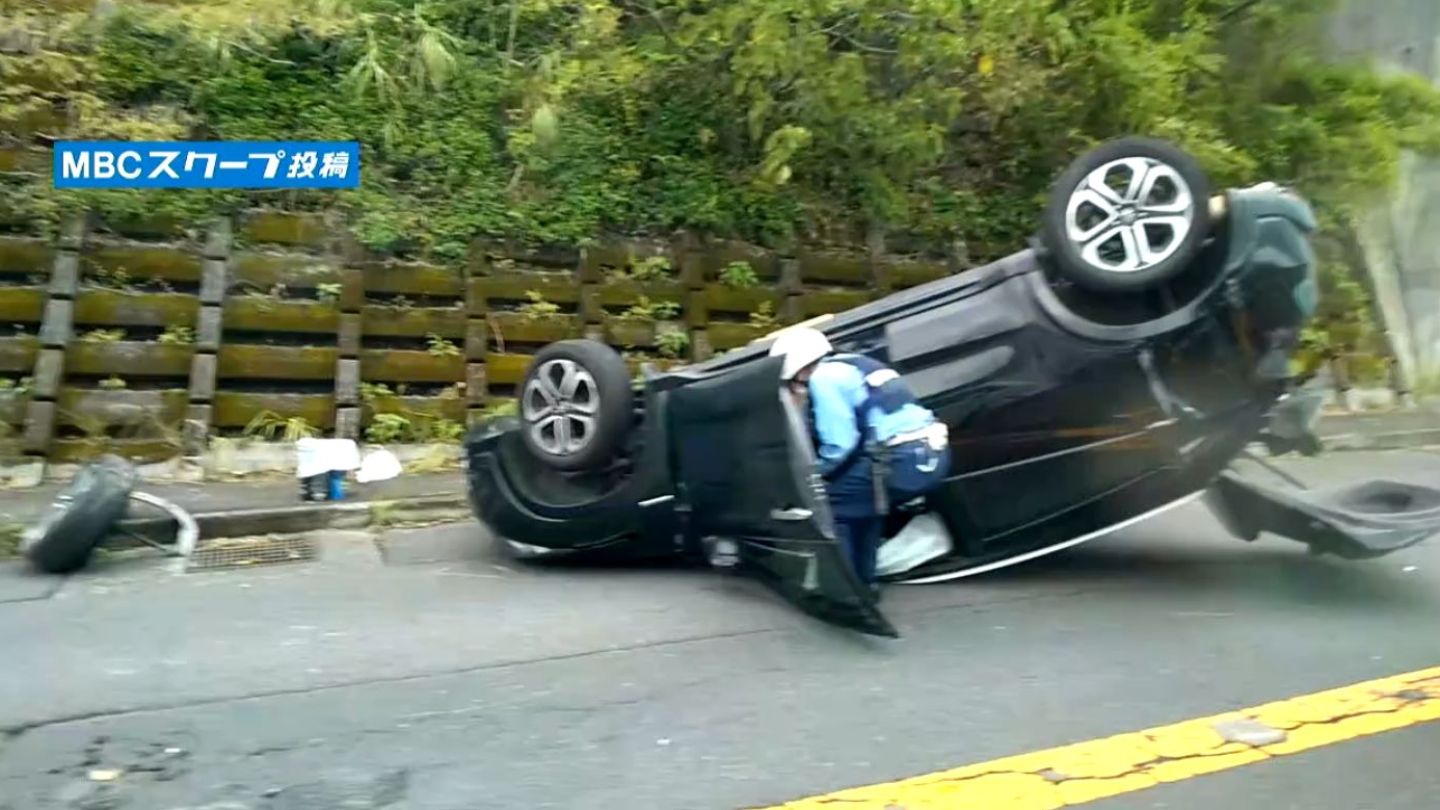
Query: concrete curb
[[297, 519], [1399, 440]]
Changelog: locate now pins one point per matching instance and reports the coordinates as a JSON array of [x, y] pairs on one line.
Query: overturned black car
[[1112, 370]]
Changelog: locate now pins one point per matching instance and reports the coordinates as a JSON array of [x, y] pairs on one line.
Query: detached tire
[[576, 405], [81, 516], [1127, 216]]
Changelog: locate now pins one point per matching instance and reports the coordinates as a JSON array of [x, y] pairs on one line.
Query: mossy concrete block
[[24, 160], [144, 226], [701, 347], [348, 337], [65, 275], [559, 288], [208, 328], [834, 267], [347, 382], [433, 407], [121, 308], [265, 270], [286, 228], [516, 327], [17, 354], [58, 326], [48, 374], [713, 256], [128, 358], [400, 365], [790, 280], [12, 410], [413, 321], [19, 254], [141, 451], [219, 237], [196, 431], [146, 261], [352, 290], [624, 292], [39, 427], [477, 383], [81, 406], [214, 280], [72, 232], [202, 377], [831, 301], [21, 304], [254, 362], [347, 423], [725, 336], [626, 332], [506, 369], [723, 298], [263, 314], [395, 278], [911, 273], [235, 409], [477, 338]]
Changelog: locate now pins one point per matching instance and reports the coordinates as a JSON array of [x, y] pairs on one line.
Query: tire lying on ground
[[1127, 216], [576, 405], [81, 516]]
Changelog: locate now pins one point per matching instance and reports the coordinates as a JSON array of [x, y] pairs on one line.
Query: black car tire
[[1089, 224], [580, 387], [81, 516]]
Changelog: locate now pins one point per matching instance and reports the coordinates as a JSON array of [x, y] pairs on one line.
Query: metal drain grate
[[251, 551]]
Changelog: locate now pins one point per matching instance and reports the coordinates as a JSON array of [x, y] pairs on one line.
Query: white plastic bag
[[320, 456], [380, 465], [923, 539]]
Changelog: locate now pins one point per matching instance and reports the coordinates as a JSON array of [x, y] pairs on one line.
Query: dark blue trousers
[[860, 540]]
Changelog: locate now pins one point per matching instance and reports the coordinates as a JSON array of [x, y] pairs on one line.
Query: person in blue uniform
[[877, 445]]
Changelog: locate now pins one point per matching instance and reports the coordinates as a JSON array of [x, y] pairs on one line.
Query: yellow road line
[[1083, 772]]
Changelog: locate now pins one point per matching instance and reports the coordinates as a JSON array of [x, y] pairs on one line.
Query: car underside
[[1074, 408]]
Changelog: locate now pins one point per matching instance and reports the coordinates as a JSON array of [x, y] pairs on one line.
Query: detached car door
[[744, 469]]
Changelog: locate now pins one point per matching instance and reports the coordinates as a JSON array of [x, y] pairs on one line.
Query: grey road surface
[[442, 676]]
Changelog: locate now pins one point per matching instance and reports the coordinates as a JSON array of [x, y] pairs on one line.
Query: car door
[[745, 469]]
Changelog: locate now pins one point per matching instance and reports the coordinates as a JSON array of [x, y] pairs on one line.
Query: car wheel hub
[[1129, 215], [559, 407]]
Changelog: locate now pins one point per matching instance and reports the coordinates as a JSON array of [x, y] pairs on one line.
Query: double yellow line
[[1083, 772]]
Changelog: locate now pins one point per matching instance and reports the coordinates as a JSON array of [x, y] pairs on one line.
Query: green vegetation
[[765, 119], [177, 336], [270, 426], [103, 336], [764, 316], [113, 383], [412, 427], [536, 306], [739, 275], [646, 310], [328, 292], [672, 344], [440, 347]]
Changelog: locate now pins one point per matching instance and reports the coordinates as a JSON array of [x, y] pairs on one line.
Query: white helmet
[[800, 347]]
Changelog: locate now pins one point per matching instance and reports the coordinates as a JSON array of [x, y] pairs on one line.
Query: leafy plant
[[673, 344], [764, 316], [536, 306], [646, 310], [103, 336], [113, 383], [369, 392], [270, 426], [446, 430], [388, 428], [500, 407], [117, 278], [739, 275], [177, 336], [328, 292], [438, 346], [15, 388], [651, 268]]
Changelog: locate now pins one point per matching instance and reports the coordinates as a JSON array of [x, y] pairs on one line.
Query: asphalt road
[[441, 676]]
